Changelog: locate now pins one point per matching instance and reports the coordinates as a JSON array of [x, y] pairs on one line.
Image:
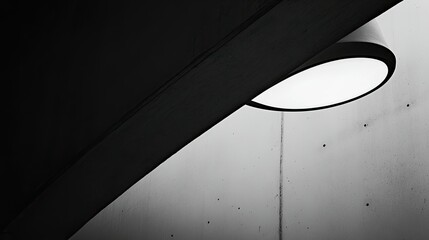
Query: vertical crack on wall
[[281, 181]]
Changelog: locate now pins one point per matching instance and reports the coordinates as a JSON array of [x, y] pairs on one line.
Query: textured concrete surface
[[361, 171], [223, 185]]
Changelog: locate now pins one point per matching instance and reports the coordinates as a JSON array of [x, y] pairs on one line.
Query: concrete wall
[[358, 171], [223, 185], [371, 180]]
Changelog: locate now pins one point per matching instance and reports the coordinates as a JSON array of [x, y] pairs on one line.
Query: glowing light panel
[[326, 84]]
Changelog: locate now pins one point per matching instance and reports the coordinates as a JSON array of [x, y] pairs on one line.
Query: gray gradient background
[[370, 181]]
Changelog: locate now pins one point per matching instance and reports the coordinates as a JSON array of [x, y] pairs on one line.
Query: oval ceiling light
[[350, 69]]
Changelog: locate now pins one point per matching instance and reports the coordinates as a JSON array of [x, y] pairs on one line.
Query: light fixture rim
[[339, 51]]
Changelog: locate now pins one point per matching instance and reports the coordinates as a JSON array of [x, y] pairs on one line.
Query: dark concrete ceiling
[[103, 92], [83, 66]]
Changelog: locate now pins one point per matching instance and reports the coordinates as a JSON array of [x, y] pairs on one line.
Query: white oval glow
[[326, 84]]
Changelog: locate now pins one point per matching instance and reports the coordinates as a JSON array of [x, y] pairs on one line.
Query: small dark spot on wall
[[367, 204], [408, 105], [324, 145], [208, 222], [365, 125], [308, 227], [412, 189], [239, 208], [218, 199], [171, 235]]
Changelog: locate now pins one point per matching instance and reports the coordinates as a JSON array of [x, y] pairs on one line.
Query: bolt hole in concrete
[[365, 125], [408, 105], [324, 145], [367, 204]]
